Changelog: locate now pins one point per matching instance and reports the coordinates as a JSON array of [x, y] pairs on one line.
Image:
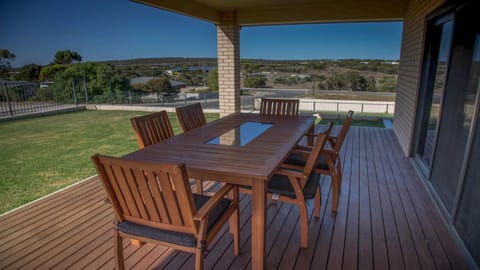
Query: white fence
[[358, 106]]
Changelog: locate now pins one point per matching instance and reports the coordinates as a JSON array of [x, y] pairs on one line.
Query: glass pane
[[242, 134], [458, 111], [434, 98], [468, 216]]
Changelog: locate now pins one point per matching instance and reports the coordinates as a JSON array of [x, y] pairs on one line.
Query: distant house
[[45, 84], [392, 62], [177, 85], [301, 76]]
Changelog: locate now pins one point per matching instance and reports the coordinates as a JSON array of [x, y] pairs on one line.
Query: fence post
[[386, 111], [8, 99], [314, 106], [85, 90], [361, 109], [74, 94]]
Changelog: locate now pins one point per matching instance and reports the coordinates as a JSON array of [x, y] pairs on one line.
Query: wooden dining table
[[243, 149]]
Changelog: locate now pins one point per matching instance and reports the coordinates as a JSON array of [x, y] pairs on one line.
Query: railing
[[24, 97], [347, 105]]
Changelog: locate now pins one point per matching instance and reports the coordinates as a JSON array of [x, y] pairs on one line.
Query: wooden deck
[[385, 220]]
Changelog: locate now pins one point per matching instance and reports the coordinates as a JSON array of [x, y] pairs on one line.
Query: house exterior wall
[[411, 58], [228, 43]]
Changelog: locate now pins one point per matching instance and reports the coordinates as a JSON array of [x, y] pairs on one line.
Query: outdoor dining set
[[273, 155]]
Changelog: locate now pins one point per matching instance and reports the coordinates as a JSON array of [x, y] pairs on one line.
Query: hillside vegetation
[[353, 74]]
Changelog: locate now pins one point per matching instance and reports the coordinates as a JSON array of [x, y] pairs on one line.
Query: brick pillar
[[228, 43]]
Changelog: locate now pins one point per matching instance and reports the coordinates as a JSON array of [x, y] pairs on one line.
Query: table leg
[[259, 198]]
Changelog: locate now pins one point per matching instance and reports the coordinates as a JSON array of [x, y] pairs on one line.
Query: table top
[[258, 159]]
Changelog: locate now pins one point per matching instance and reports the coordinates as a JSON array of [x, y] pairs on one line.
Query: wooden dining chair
[[279, 107], [295, 184], [152, 128], [153, 203], [329, 162], [191, 116]]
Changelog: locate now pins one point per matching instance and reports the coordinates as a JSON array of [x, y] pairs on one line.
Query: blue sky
[[121, 29]]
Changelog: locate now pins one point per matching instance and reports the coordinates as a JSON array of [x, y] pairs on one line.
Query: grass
[[363, 119], [363, 123], [41, 155]]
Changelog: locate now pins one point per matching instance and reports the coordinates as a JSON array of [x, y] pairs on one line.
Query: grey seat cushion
[[281, 185], [298, 159], [184, 239]]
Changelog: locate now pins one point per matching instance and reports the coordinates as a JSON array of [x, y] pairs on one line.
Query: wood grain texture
[[279, 107], [152, 128], [191, 116]]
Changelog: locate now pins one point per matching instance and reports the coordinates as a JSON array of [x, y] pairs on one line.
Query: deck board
[[385, 220]]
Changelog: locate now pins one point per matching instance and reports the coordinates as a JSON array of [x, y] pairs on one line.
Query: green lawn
[[41, 155]]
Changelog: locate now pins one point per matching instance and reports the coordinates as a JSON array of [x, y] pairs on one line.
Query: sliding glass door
[[447, 131], [448, 102]]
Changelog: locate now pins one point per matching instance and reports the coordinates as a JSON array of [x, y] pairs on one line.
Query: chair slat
[[148, 210], [117, 191], [158, 198], [279, 107], [185, 203], [125, 190], [170, 199], [136, 194]]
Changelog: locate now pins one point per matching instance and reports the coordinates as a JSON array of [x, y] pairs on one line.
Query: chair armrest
[[303, 148], [301, 152], [330, 152], [212, 202], [291, 167], [290, 172]]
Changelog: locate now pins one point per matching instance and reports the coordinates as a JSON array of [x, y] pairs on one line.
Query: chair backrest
[[151, 194], [191, 116], [343, 132], [152, 128], [317, 148], [279, 107]]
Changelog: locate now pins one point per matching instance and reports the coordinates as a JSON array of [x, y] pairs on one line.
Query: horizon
[[215, 58], [125, 30]]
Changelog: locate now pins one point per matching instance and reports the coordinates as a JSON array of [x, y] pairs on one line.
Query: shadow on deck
[[385, 220]]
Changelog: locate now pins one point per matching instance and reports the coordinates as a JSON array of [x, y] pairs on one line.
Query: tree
[[48, 73], [160, 84], [254, 82], [97, 78], [67, 57], [212, 80], [349, 81], [29, 72], [5, 58]]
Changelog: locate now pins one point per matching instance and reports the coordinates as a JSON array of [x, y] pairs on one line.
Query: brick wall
[[228, 46], [411, 56]]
